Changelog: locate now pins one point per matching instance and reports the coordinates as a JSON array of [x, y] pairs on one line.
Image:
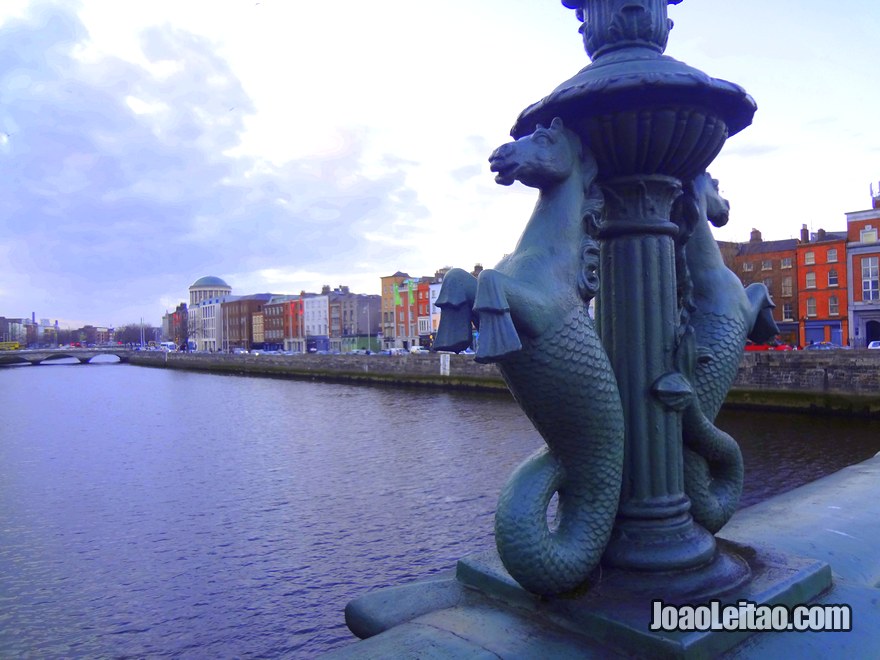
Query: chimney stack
[[805, 234], [820, 235], [755, 236]]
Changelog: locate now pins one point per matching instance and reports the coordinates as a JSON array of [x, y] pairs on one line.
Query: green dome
[[209, 280]]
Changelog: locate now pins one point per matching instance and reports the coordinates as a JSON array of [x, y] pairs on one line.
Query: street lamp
[[369, 332]]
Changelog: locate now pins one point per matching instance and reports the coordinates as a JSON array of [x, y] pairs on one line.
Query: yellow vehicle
[[9, 346]]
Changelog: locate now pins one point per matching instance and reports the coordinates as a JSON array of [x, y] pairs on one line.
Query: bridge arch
[[37, 357]]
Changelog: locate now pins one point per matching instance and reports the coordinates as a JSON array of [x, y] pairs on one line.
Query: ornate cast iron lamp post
[[652, 123], [643, 477]]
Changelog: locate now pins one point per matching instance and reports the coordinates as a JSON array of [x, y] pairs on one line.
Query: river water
[[150, 513]]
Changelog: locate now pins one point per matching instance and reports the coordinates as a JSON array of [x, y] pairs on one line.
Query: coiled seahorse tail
[[565, 384]]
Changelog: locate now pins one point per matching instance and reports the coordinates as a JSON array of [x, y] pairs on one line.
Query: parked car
[[822, 346], [874, 344], [774, 345]]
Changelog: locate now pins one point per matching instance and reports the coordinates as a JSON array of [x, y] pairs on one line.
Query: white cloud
[[298, 144]]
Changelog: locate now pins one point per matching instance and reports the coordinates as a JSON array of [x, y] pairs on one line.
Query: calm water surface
[[153, 513]]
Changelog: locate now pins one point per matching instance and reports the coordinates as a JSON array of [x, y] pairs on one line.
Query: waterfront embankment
[[837, 382], [431, 370]]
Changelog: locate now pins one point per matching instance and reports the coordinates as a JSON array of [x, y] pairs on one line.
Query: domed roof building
[[209, 280], [206, 288]]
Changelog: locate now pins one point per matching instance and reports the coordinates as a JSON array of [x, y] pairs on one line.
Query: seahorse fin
[[498, 335], [459, 288], [455, 300], [764, 327], [454, 331]]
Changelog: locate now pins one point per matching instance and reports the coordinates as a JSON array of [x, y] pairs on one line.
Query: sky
[[283, 145]]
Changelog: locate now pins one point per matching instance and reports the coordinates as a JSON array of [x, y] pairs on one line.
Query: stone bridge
[[42, 356]]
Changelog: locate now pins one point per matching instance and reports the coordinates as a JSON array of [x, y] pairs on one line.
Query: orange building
[[396, 328], [822, 285]]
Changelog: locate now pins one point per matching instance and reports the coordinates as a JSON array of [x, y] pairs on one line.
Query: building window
[[787, 312], [832, 278], [786, 287], [748, 266], [811, 280], [767, 264], [785, 262], [832, 255], [768, 282], [870, 278], [869, 234], [811, 307], [833, 306], [809, 258]]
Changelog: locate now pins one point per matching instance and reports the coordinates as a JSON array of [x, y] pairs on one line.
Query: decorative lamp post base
[[483, 609]]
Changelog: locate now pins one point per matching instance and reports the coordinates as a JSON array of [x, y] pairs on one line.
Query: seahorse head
[[538, 160]]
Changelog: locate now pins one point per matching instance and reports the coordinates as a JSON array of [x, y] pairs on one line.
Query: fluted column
[[638, 317]]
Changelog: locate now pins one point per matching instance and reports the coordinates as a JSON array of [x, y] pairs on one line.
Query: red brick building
[[406, 312], [283, 324], [238, 320], [822, 285]]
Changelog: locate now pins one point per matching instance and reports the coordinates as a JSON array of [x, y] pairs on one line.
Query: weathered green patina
[[532, 313], [649, 378], [722, 314]]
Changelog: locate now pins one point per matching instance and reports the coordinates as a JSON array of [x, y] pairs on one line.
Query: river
[[150, 513]]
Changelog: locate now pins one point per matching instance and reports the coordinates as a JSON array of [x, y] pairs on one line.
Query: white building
[[434, 292], [205, 315], [316, 320], [212, 331]]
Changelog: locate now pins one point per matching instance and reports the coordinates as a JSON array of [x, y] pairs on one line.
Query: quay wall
[[843, 381], [407, 369]]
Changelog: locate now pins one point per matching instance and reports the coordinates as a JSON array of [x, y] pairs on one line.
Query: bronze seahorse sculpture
[[722, 314], [531, 310]]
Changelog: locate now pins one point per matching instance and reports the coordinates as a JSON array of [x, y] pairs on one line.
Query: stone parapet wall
[[841, 381], [841, 371], [407, 369], [846, 382]]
